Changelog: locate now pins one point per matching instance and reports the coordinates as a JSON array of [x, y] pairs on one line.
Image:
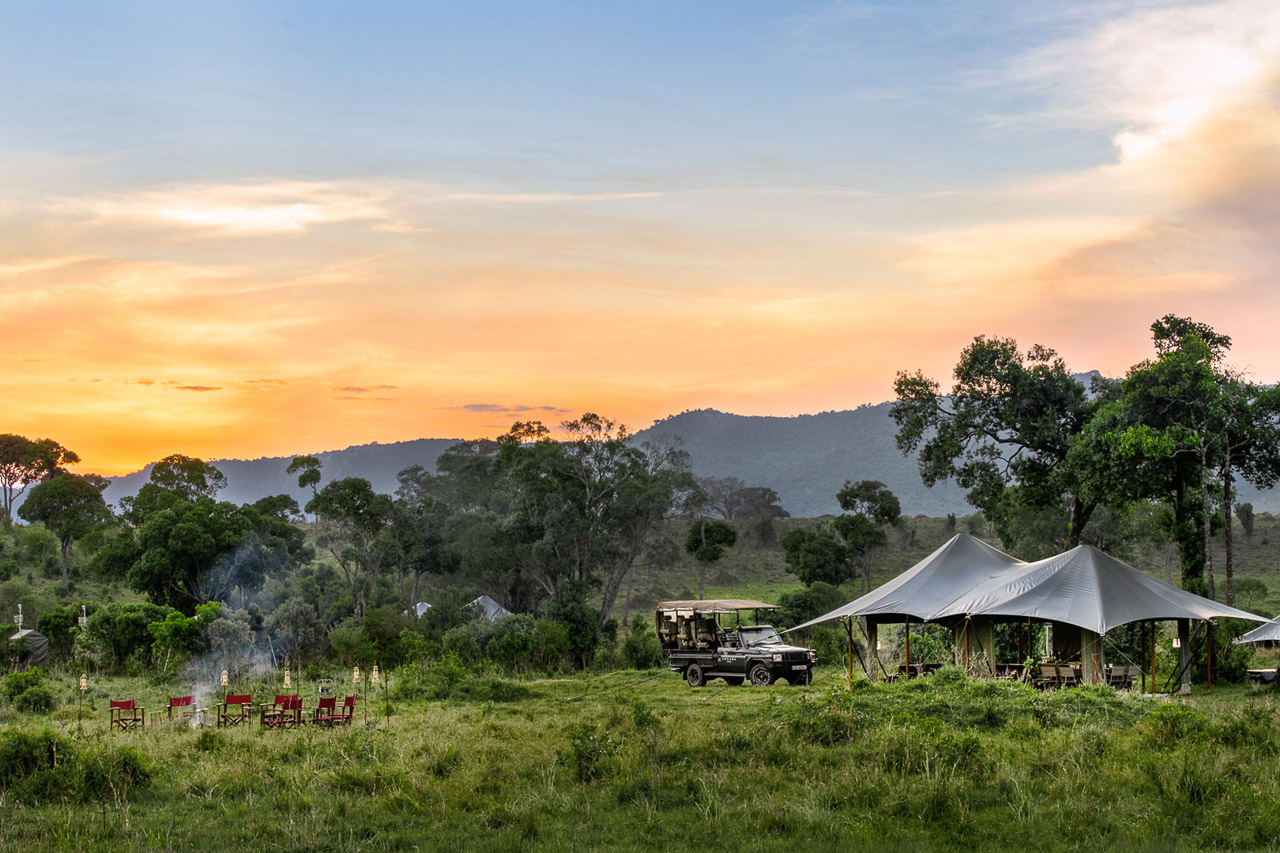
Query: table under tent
[[1082, 594]]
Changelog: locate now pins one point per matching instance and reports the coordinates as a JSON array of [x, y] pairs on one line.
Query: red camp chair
[[185, 706], [344, 715], [126, 715], [237, 708], [285, 712], [325, 713]]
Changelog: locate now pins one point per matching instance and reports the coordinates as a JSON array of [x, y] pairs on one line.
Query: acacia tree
[[24, 461], [70, 507], [707, 541]]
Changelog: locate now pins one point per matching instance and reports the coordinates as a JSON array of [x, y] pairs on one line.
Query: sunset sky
[[260, 229]]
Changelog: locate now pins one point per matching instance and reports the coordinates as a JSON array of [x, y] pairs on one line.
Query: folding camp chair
[[237, 708], [325, 713], [344, 714], [126, 715], [1067, 676], [185, 706], [285, 712]]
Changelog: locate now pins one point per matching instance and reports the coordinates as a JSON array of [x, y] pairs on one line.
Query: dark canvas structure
[[35, 649]]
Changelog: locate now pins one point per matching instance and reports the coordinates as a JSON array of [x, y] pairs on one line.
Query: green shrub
[[36, 700], [1173, 725], [45, 766], [17, 683]]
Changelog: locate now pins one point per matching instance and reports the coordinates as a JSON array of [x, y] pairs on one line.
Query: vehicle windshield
[[761, 635]]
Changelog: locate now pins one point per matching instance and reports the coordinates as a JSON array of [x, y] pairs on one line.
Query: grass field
[[639, 761]]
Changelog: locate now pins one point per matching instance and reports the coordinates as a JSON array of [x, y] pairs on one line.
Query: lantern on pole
[[84, 685], [288, 682], [355, 680]]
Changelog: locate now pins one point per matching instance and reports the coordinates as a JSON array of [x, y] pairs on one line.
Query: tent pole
[[906, 627], [1210, 639], [1153, 658], [848, 627]]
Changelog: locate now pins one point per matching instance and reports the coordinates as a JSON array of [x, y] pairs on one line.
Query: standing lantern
[[288, 682], [355, 679], [84, 685], [375, 679]]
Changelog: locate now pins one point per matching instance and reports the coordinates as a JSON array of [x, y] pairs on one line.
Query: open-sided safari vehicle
[[700, 646]]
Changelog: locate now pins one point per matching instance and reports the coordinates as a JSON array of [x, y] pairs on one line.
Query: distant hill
[[806, 459], [251, 479]]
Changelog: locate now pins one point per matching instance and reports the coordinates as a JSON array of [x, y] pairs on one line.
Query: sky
[[235, 230]]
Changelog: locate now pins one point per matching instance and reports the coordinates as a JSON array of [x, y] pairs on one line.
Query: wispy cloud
[[242, 209], [498, 408]]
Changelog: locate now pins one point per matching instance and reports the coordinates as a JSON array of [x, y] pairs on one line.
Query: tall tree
[[1005, 431], [870, 506], [587, 506], [415, 521], [817, 556], [353, 522], [24, 461], [70, 507]]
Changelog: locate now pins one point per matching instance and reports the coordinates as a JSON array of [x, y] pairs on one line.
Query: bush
[[18, 683], [121, 632], [1173, 725], [45, 766], [36, 700], [641, 649]]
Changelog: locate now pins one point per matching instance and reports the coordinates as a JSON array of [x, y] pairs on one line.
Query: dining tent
[[1268, 633], [962, 563], [1091, 591]]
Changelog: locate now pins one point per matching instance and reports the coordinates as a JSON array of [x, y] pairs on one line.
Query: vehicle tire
[[693, 675], [734, 680], [760, 675]]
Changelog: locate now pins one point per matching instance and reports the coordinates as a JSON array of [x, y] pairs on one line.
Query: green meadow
[[636, 760]]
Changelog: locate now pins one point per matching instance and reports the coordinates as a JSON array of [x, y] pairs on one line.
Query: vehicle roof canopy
[[715, 605]]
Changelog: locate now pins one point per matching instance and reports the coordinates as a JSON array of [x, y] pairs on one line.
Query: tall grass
[[637, 760]]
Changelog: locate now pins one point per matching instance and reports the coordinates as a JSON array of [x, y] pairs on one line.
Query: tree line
[[551, 528]]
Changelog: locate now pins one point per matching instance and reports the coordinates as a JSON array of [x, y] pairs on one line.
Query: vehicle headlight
[[813, 655], [777, 658]]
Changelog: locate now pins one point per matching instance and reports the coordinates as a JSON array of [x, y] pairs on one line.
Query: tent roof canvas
[[1086, 588], [1268, 633], [963, 562]]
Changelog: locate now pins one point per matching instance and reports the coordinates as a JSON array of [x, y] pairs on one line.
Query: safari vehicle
[[699, 645]]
